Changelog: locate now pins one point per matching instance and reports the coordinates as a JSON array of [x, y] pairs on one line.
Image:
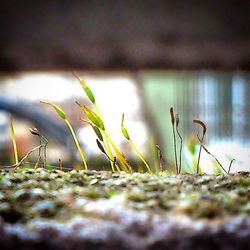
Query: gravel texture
[[51, 209]]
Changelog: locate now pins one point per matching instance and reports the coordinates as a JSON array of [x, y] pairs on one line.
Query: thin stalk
[[230, 165], [126, 167], [180, 156], [25, 157], [159, 154], [215, 158], [44, 150], [106, 141], [174, 137], [140, 156], [13, 139], [175, 151], [199, 155], [204, 129], [77, 144], [109, 152], [38, 161]]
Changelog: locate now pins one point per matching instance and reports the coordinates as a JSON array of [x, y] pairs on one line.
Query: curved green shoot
[[97, 120], [86, 88], [12, 133], [61, 113], [126, 135]]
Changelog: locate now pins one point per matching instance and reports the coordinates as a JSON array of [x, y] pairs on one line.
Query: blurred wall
[[116, 34]]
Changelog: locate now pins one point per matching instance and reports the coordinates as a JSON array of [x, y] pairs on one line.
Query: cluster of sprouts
[[116, 158]]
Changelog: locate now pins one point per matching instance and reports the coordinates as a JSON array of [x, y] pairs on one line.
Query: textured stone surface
[[103, 210]]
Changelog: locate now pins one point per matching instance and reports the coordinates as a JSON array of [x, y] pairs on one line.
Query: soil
[[103, 210]]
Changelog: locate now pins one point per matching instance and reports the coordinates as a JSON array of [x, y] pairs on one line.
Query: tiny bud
[[100, 146], [34, 131], [172, 115]]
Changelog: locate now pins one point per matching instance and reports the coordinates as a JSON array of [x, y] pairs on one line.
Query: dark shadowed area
[[49, 35]]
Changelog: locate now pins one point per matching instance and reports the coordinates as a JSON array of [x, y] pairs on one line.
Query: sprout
[[58, 110], [96, 129], [124, 130], [126, 135], [12, 133], [85, 87], [93, 117], [61, 113]]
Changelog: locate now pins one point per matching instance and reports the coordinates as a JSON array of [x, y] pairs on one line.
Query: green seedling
[[62, 115], [86, 88], [97, 124], [96, 119], [12, 133], [174, 137], [91, 97], [126, 135], [107, 142]]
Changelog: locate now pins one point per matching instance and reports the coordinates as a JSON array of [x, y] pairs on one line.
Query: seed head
[[34, 131], [172, 115]]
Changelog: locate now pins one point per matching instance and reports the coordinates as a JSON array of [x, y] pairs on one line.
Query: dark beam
[[115, 34]]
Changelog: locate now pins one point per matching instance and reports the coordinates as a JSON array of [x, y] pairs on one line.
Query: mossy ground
[[26, 194]]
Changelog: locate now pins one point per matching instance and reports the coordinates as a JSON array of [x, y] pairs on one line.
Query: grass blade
[[12, 133]]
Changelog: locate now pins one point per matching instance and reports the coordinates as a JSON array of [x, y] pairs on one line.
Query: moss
[[27, 194]]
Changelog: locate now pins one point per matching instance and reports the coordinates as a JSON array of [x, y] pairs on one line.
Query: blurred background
[[139, 58]]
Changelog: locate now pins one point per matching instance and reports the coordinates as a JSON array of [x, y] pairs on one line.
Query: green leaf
[[125, 133], [89, 93], [124, 130], [85, 88], [58, 110], [98, 133], [93, 117]]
